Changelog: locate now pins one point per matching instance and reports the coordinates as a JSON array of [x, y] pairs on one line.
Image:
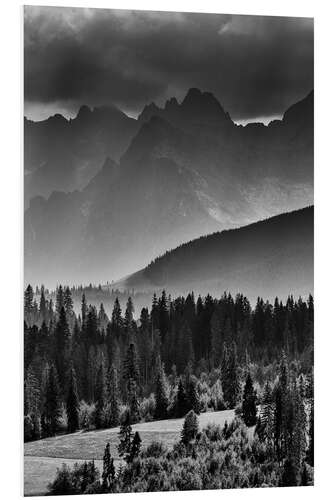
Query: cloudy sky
[[256, 66]]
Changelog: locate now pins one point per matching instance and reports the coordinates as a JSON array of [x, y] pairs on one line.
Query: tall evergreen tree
[[181, 404], [59, 299], [112, 398], [72, 403], [249, 408], [230, 375], [109, 472], [68, 301], [310, 451], [100, 397], [190, 428], [125, 437], [61, 338], [161, 397], [51, 412], [130, 369]]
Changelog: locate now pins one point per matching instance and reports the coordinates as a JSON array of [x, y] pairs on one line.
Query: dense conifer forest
[[180, 357]]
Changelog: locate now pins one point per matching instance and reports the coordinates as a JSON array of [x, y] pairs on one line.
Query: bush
[[156, 449], [63, 422], [217, 396], [84, 478], [32, 427], [86, 416], [190, 428], [147, 408]]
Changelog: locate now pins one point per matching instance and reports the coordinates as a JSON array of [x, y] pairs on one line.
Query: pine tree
[[125, 437], [61, 337], [161, 398], [84, 310], [229, 375], [68, 302], [216, 339], [42, 303], [72, 403], [100, 397], [116, 319], [129, 318], [267, 417], [32, 402], [181, 401], [109, 473], [28, 300], [112, 398], [59, 299], [190, 428], [130, 369], [193, 401], [249, 408], [133, 401], [278, 421], [135, 447], [51, 408], [310, 451]]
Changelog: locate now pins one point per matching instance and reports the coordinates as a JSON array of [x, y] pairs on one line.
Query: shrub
[[190, 428], [86, 416], [147, 408], [217, 396], [156, 449]]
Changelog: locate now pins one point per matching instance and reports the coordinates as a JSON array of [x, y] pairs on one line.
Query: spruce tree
[[68, 302], [61, 339], [130, 369], [161, 397], [216, 339], [84, 310], [135, 447], [51, 407], [229, 375], [28, 307], [249, 408], [125, 437], [181, 401], [72, 403], [193, 402], [59, 299], [310, 451], [112, 398], [190, 428], [100, 397], [109, 473], [42, 304]]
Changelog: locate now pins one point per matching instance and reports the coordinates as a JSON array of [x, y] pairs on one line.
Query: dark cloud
[[256, 66]]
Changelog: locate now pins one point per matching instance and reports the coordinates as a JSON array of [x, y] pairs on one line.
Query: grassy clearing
[[43, 457]]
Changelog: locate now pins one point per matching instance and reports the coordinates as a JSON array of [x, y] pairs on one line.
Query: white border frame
[[12, 232]]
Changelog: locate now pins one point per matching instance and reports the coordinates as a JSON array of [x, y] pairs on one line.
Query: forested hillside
[[89, 371], [268, 258]]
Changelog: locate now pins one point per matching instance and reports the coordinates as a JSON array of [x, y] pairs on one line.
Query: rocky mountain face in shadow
[[113, 192], [63, 155]]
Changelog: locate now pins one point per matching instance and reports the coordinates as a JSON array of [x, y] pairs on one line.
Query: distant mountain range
[[270, 258], [106, 193]]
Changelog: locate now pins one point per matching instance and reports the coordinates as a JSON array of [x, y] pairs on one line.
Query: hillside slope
[[270, 258]]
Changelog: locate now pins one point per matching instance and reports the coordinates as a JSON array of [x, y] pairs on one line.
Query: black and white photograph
[[168, 289]]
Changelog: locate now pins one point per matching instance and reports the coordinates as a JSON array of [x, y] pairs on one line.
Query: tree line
[[86, 370]]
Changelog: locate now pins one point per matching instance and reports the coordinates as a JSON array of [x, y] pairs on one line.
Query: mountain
[[63, 155], [186, 170], [269, 258]]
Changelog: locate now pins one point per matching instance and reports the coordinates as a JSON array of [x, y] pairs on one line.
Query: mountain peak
[[149, 111], [84, 111]]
